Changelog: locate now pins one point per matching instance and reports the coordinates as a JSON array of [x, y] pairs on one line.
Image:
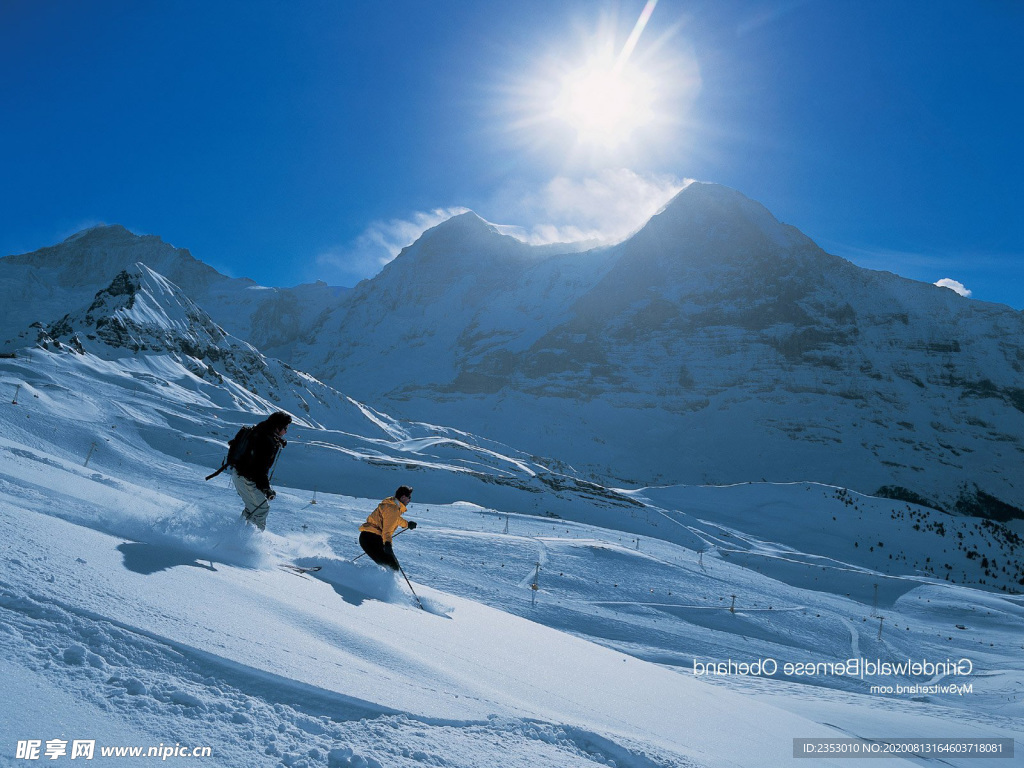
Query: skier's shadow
[[349, 595], [148, 559], [356, 598], [340, 585]]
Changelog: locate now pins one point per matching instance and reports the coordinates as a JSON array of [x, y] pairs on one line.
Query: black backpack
[[238, 449]]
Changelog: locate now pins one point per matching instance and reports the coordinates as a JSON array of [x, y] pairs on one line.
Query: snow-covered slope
[[137, 613]]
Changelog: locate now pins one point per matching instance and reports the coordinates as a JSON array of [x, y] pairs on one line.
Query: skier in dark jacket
[[252, 470]]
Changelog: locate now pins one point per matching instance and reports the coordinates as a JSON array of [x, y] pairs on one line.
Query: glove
[[271, 494], [412, 524]]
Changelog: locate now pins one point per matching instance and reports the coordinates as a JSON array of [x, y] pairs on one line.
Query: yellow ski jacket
[[386, 518]]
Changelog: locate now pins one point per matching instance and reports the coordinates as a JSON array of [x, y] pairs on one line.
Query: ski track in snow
[[854, 638]]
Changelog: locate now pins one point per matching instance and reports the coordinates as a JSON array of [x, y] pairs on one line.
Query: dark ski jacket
[[255, 465]]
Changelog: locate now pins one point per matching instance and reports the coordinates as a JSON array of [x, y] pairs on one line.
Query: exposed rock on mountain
[[42, 285], [141, 317]]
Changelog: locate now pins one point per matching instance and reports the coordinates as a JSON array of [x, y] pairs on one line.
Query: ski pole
[[393, 537], [402, 571]]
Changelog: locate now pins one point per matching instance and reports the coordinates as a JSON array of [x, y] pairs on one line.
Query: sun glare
[[603, 103], [603, 98], [610, 96]]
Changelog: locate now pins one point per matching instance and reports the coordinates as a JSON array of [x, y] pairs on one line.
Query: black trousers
[[381, 553]]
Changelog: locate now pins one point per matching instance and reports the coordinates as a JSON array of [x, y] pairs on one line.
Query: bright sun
[[605, 98], [604, 103], [610, 96]]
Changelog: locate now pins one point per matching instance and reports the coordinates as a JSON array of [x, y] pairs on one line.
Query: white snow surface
[[137, 611]]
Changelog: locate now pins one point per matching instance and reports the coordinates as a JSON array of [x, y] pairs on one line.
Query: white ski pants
[[257, 505]]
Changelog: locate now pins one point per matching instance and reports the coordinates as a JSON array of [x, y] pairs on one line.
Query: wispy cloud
[[600, 209], [379, 244], [603, 208], [953, 285]]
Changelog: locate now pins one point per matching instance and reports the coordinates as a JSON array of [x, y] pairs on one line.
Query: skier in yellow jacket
[[375, 534]]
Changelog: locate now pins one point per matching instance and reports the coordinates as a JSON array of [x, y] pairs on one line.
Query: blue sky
[[289, 142]]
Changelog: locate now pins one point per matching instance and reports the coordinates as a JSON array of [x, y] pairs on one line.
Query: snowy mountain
[[144, 323], [714, 346], [40, 286]]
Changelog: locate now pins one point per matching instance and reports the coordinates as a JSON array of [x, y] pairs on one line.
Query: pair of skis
[[299, 569]]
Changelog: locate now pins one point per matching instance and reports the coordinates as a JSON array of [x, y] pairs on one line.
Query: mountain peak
[[105, 249], [707, 190], [706, 217], [140, 309], [701, 203], [463, 242], [463, 227], [115, 232]]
